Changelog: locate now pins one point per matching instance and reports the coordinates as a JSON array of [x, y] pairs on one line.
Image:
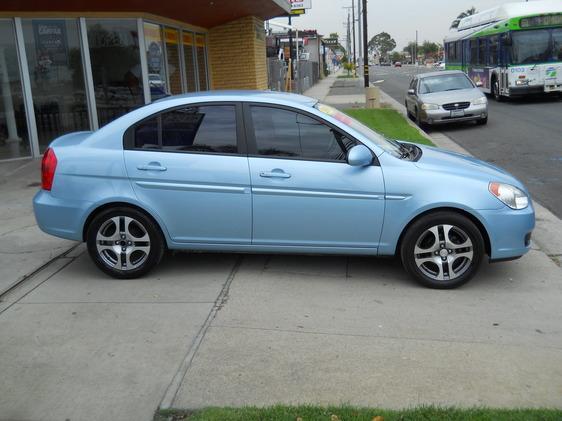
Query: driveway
[[223, 329]]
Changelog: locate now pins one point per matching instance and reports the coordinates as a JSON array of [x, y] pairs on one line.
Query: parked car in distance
[[439, 65], [398, 64], [445, 97], [266, 172]]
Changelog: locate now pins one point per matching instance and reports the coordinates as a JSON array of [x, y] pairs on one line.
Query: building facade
[[73, 65]]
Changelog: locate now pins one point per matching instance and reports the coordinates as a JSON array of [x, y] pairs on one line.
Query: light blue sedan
[[264, 172]]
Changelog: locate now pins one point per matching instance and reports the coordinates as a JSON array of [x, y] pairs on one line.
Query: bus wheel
[[496, 90]]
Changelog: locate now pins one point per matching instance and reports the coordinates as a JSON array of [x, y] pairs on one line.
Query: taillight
[[48, 167]]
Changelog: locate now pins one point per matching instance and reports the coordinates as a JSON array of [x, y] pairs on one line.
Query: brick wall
[[237, 57]]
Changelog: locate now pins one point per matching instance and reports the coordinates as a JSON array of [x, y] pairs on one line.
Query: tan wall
[[237, 57]]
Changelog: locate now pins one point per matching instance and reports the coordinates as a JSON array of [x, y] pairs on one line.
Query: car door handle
[[153, 166], [275, 174]]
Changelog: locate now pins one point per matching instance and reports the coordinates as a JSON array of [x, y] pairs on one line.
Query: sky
[[400, 18]]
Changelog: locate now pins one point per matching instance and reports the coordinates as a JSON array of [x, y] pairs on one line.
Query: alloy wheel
[[443, 252], [123, 243]]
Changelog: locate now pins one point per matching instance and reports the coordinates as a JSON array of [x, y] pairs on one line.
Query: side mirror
[[411, 92], [359, 156], [479, 84]]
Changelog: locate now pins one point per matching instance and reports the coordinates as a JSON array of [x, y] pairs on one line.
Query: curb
[[548, 229]]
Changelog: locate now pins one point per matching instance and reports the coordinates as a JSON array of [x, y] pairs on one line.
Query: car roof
[[440, 73], [245, 95]]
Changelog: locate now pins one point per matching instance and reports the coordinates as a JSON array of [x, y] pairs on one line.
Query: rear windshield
[[443, 83]]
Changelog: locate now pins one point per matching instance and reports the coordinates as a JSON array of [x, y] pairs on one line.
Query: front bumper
[[442, 116], [61, 218], [534, 89], [509, 231]]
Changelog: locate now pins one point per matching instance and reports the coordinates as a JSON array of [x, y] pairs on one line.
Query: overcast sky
[[400, 18]]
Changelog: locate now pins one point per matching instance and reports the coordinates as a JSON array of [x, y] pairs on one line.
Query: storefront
[[65, 72]]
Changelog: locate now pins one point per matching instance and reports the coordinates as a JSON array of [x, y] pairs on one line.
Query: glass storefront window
[[54, 59], [172, 37], [155, 61], [14, 140], [188, 42], [201, 61], [116, 68]]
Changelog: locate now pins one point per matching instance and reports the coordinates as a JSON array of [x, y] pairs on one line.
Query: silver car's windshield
[[443, 83], [388, 145]]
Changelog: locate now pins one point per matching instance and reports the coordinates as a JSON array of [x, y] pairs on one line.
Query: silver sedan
[[445, 97]]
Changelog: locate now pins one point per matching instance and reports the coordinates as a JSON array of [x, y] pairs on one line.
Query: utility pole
[[348, 40], [365, 41], [416, 48], [353, 24], [360, 38], [291, 49]]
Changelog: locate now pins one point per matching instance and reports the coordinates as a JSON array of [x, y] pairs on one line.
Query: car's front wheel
[[124, 242], [442, 250]]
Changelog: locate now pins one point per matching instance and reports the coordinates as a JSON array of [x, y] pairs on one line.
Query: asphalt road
[[523, 136]]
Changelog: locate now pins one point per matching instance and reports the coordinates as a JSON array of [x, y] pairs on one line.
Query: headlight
[[430, 107], [480, 101], [509, 195], [521, 82]]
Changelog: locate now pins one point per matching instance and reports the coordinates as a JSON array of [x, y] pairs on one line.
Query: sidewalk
[[23, 247]]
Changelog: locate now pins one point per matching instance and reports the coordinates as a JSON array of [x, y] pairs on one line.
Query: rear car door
[[304, 192], [189, 165]]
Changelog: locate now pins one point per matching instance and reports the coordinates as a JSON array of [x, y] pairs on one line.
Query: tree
[[429, 49], [468, 12], [397, 56], [381, 44]]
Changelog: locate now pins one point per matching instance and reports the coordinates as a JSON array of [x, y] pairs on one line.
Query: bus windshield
[[536, 46]]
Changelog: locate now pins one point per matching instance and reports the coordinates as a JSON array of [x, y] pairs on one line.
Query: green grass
[[347, 77], [390, 123], [343, 413]]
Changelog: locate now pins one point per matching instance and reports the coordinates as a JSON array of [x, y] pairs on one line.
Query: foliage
[[381, 44], [468, 12], [397, 56], [344, 413], [349, 66], [430, 49]]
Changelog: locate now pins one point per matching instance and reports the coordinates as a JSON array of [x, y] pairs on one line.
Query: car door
[[189, 165], [411, 98], [304, 192]]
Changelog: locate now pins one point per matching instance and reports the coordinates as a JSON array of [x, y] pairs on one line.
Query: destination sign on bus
[[545, 20]]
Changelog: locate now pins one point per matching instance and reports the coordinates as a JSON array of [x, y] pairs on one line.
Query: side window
[[413, 84], [473, 51], [286, 133], [482, 51], [493, 51], [208, 128]]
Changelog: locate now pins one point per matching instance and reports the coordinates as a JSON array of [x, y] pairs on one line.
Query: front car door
[[304, 192], [189, 165]]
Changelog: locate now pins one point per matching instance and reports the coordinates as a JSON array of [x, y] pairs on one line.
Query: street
[[524, 136]]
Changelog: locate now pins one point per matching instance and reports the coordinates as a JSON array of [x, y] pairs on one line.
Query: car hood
[[441, 160], [452, 96]]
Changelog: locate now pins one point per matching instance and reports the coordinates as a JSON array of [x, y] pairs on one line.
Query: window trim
[[251, 138], [129, 135]]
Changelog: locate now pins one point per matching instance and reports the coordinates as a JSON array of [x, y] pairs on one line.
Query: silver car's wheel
[[123, 243], [443, 252], [442, 249]]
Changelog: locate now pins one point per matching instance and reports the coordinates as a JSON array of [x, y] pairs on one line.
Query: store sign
[[50, 41], [298, 11], [301, 4]]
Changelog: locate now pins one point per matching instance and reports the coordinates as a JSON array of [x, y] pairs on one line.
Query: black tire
[[467, 267], [408, 113], [131, 241], [418, 120], [482, 121], [496, 90]]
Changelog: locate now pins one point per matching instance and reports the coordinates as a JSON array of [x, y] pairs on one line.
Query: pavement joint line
[[362, 335], [177, 381], [23, 282], [30, 275], [115, 302]]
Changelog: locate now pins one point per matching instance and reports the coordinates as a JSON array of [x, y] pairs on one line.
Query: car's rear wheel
[[442, 250], [124, 242], [496, 90]]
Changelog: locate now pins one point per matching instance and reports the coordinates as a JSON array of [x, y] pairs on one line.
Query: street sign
[[298, 11], [301, 4]]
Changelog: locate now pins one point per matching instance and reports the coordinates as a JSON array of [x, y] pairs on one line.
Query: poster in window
[[50, 42]]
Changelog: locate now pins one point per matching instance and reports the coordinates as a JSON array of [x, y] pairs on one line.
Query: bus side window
[[493, 51], [473, 52], [482, 51]]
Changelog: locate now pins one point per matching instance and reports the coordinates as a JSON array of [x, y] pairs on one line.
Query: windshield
[[443, 83], [536, 46], [388, 145]]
